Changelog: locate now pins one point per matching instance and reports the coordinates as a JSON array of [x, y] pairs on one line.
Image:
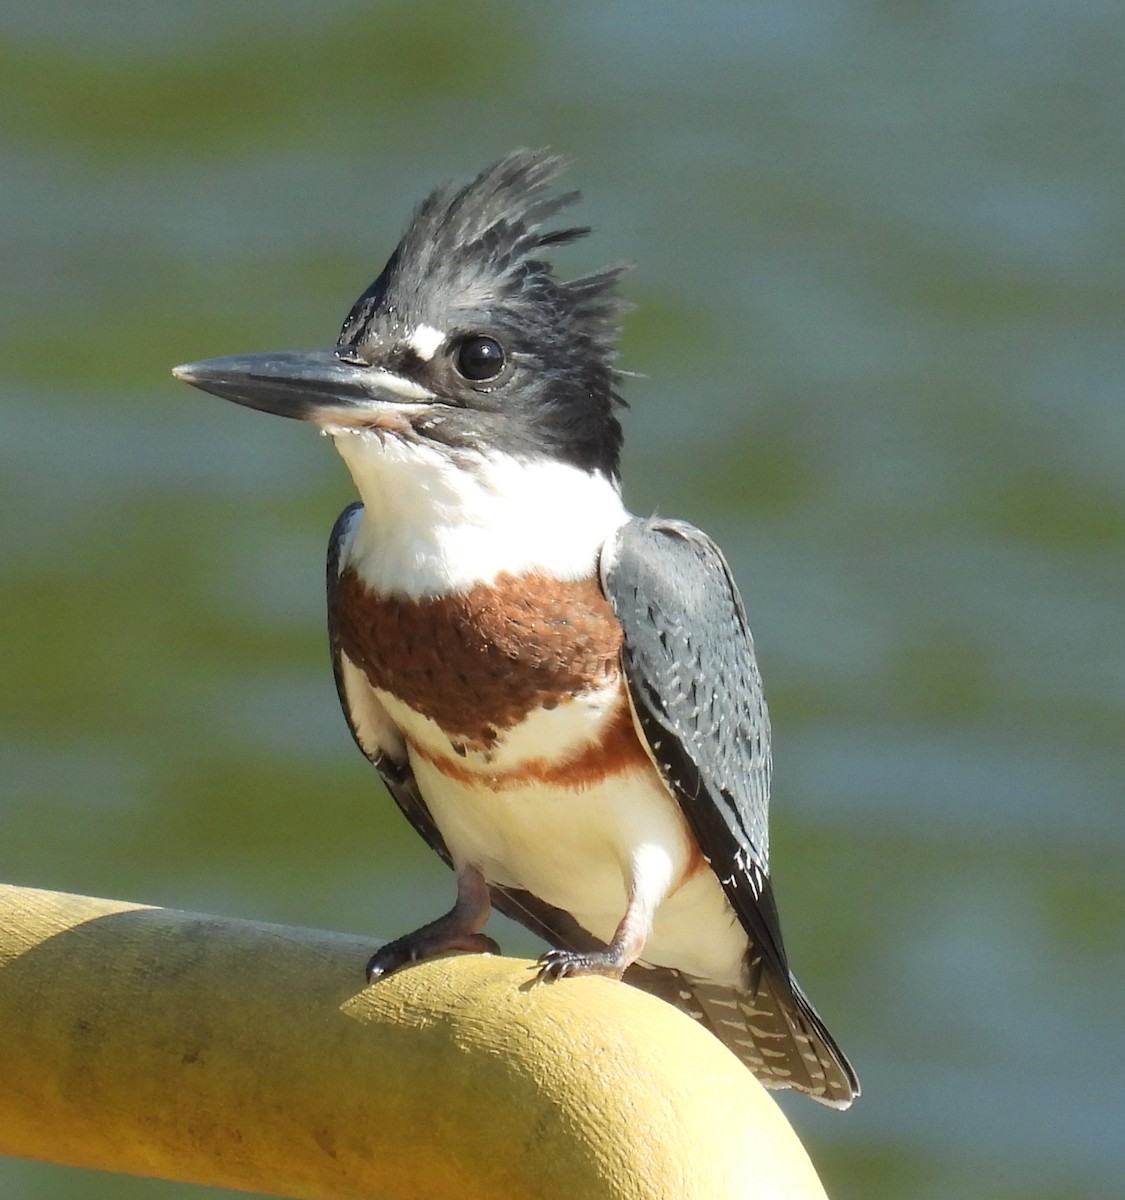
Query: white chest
[[433, 523], [535, 817]]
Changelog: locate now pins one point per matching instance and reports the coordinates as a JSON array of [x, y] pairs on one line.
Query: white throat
[[432, 524]]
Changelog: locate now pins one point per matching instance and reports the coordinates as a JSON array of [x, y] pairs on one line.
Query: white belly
[[578, 847]]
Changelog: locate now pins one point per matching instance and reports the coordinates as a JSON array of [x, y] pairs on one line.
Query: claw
[[458, 931], [561, 964], [422, 944]]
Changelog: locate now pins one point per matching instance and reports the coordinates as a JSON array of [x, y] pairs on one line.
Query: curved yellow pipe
[[251, 1056]]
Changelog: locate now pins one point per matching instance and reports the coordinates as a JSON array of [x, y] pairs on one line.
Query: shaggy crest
[[474, 255]]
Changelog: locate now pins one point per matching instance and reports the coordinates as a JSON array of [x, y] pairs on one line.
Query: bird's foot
[[558, 964], [427, 942], [457, 932]]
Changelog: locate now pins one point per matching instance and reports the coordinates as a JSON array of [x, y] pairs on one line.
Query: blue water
[[879, 317]]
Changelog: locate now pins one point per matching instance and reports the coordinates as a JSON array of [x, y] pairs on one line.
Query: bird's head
[[467, 341]]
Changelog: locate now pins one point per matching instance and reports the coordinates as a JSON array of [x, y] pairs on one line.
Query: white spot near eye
[[425, 340]]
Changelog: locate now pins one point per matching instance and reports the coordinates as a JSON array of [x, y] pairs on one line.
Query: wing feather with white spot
[[689, 662]]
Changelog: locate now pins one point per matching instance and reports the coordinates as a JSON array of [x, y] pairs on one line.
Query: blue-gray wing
[[688, 658], [693, 680]]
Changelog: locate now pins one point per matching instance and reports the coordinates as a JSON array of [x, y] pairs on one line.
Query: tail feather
[[776, 1032], [772, 1029], [768, 1024]]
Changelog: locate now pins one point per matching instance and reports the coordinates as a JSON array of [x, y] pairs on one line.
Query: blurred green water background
[[880, 300]]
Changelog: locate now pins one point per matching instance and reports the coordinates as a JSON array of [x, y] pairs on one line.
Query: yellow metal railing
[[250, 1056]]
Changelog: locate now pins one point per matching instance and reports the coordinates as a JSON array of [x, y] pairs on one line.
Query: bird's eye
[[479, 358]]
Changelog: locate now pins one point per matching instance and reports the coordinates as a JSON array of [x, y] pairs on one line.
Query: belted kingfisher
[[562, 698]]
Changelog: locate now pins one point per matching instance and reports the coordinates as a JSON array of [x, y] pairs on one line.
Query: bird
[[561, 697]]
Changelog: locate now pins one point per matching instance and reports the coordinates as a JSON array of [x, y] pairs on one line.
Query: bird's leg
[[458, 930], [651, 878]]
